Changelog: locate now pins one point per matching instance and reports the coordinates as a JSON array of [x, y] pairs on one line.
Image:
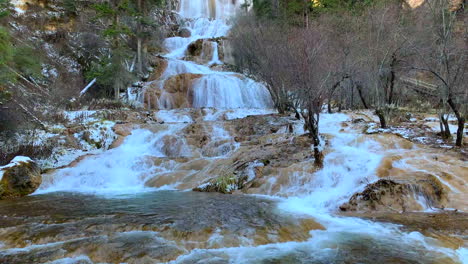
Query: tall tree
[[145, 25], [442, 54], [117, 33]]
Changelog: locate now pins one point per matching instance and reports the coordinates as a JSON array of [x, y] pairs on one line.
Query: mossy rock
[[226, 184], [20, 178]]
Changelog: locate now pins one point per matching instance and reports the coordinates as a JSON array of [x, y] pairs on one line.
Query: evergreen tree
[[6, 53], [128, 21], [117, 33], [14, 61]]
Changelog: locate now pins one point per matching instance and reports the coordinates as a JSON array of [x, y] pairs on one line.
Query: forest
[[379, 55]]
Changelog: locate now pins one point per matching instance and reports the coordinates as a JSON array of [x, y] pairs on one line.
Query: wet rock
[[178, 90], [202, 50], [174, 146], [19, 178], [249, 165], [160, 65], [218, 148], [197, 134], [195, 48], [448, 227], [393, 196], [358, 120], [151, 96], [243, 129], [152, 227], [122, 131], [175, 92], [185, 33]]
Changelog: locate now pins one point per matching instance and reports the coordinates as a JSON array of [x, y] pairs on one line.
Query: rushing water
[[100, 211]]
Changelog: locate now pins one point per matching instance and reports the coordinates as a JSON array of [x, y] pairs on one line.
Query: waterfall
[[206, 20], [214, 9], [215, 59], [179, 147]]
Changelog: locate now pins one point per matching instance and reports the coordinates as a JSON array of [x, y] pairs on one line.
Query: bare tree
[[261, 51], [309, 76], [293, 62], [381, 49], [442, 54]]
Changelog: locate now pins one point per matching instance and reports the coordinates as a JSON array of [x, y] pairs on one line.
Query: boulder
[[20, 177], [175, 92], [201, 50], [178, 90], [398, 196], [174, 146], [195, 48], [185, 33]]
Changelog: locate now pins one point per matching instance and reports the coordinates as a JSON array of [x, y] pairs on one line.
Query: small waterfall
[[229, 91], [214, 9], [215, 60], [121, 169]]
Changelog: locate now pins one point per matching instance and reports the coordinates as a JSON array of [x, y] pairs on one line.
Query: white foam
[[230, 91], [215, 59], [326, 245], [121, 169], [174, 116], [218, 9], [347, 169]]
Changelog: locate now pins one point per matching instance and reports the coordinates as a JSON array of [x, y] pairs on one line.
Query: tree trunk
[[445, 129], [359, 89], [392, 80], [312, 126], [332, 91], [461, 122], [340, 103], [461, 127], [117, 90], [318, 154], [139, 55], [383, 122], [139, 39]]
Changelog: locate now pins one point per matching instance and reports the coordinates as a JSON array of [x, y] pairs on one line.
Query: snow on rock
[[22, 176], [80, 116], [19, 5], [14, 162]]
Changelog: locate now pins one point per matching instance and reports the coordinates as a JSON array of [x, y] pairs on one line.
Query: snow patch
[[14, 162]]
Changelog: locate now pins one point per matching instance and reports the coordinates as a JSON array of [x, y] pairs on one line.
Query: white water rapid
[[350, 163]]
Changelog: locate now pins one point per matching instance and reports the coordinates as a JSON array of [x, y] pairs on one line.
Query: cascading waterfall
[[124, 168], [214, 9], [207, 20], [159, 147]]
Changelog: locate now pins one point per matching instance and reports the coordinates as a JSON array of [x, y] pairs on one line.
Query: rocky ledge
[[399, 196]]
